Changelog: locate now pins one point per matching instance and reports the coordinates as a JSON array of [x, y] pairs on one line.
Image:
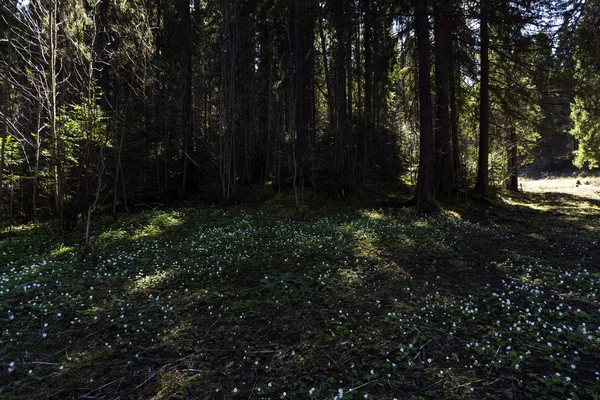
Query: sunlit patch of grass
[[145, 283], [375, 215], [113, 235], [452, 214], [18, 228], [350, 277], [157, 224], [61, 250]]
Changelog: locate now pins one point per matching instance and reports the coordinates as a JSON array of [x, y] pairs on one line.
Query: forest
[[333, 199], [130, 105]]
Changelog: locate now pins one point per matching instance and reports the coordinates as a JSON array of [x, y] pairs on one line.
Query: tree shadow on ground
[[214, 304]]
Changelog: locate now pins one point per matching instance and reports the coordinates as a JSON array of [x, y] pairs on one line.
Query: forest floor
[[495, 300]]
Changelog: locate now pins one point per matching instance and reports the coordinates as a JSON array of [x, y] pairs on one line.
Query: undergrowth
[[374, 303]]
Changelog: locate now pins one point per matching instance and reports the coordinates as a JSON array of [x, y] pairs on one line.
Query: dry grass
[[582, 187]]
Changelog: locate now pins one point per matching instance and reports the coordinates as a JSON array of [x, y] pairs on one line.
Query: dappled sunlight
[[350, 277], [452, 214], [375, 215], [145, 283], [61, 250], [158, 224], [240, 301]]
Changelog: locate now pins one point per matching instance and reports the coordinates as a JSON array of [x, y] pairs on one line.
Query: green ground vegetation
[[479, 300]]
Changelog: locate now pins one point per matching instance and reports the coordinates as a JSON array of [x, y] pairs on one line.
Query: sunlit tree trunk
[[5, 97], [52, 98]]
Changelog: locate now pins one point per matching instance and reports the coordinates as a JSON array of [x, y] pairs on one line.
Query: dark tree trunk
[[186, 68], [368, 56], [444, 172], [349, 63], [339, 22], [264, 98], [304, 69], [454, 123], [425, 193], [482, 184]]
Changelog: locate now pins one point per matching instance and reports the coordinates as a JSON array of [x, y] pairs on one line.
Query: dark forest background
[[118, 106]]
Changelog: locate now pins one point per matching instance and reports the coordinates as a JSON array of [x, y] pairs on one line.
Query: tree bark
[[368, 57], [304, 63], [5, 96], [482, 184], [425, 194], [443, 68], [186, 58], [454, 123], [58, 178]]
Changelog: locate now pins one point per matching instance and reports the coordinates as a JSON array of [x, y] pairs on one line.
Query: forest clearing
[[495, 300]]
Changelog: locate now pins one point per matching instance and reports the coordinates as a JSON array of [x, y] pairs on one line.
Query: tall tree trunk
[[227, 99], [454, 123], [482, 184], [330, 99], [444, 171], [58, 178], [349, 72], [368, 56], [304, 63], [38, 149], [186, 57], [5, 97], [513, 160], [265, 71], [425, 192], [340, 64]]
